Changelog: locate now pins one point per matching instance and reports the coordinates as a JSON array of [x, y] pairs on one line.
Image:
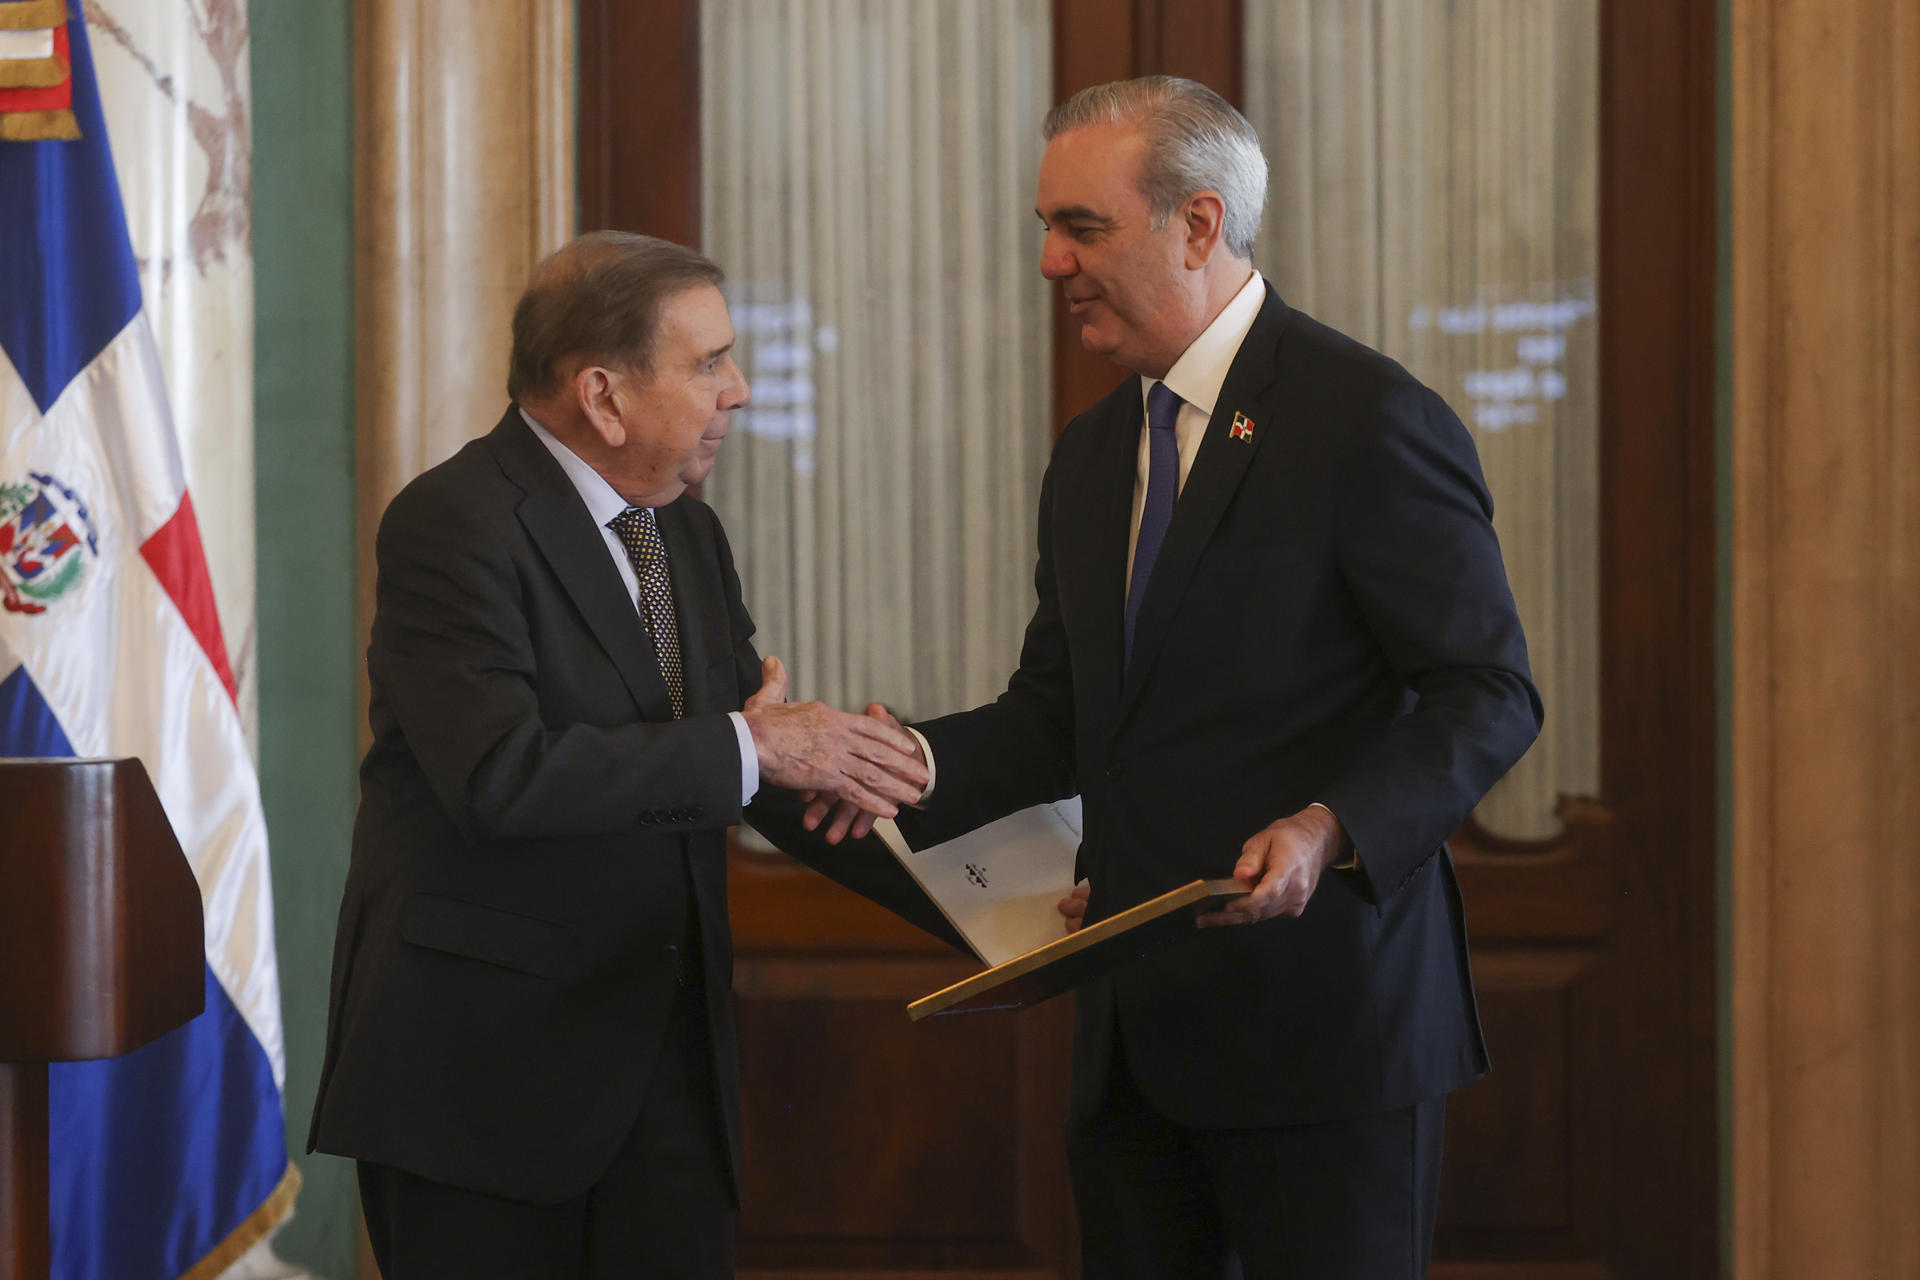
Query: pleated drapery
[[867, 178], [1435, 194]]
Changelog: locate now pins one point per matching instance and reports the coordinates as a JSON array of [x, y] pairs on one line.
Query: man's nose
[[737, 393], [1056, 259]]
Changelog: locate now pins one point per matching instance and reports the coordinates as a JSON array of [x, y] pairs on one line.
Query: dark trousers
[[662, 1211], [1348, 1200]]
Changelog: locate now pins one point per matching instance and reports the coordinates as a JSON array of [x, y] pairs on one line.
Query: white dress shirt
[[603, 504], [1196, 377]]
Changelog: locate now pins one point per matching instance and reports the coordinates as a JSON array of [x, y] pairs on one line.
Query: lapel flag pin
[[1242, 428]]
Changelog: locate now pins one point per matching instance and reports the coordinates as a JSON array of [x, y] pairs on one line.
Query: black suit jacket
[[1328, 620], [535, 833]]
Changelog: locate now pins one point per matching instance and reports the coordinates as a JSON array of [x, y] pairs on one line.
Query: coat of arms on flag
[[1242, 428], [47, 542], [36, 72]]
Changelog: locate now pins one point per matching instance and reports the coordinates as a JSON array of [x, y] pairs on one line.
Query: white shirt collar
[[1201, 370], [603, 503]]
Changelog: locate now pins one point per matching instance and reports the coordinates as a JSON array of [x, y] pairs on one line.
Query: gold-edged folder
[[1097, 949]]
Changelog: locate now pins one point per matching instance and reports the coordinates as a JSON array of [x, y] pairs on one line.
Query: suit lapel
[[1101, 522], [566, 537], [1217, 471]]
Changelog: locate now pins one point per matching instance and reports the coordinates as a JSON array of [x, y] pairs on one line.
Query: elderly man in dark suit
[[530, 1049], [1274, 640]]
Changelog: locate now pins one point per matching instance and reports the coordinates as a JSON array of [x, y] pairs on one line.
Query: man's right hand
[[854, 819], [866, 762]]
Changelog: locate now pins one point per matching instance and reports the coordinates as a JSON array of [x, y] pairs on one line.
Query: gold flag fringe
[[32, 15], [38, 126], [32, 73], [271, 1213]]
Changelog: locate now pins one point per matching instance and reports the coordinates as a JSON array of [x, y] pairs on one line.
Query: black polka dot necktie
[[639, 534]]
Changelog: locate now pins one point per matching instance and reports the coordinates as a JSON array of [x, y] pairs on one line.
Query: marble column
[[464, 164]]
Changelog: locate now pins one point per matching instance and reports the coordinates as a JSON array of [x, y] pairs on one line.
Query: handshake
[[858, 767]]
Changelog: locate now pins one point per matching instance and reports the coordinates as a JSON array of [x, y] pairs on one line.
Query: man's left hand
[[1283, 863]]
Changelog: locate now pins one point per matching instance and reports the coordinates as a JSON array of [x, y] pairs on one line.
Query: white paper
[[999, 884]]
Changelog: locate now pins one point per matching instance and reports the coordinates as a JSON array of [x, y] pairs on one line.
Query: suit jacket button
[[696, 814]]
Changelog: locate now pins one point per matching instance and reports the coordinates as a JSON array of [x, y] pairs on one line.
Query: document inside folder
[[999, 884]]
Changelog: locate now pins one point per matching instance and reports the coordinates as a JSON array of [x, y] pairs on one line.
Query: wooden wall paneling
[[1825, 739], [1510, 1153], [1653, 1146], [640, 117], [875, 1145], [1201, 40]]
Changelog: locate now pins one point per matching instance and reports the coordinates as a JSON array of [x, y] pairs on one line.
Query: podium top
[[102, 945]]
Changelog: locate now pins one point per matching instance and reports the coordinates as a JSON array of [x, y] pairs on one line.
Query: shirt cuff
[[749, 758], [926, 749], [1352, 861]]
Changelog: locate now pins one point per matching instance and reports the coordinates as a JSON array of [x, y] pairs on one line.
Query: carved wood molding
[[463, 178], [1825, 262]]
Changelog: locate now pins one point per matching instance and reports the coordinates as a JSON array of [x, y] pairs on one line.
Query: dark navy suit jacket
[[1328, 620]]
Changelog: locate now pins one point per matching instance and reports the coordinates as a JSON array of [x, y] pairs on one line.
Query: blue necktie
[[1163, 486]]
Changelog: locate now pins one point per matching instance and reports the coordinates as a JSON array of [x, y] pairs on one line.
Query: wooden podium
[[101, 950]]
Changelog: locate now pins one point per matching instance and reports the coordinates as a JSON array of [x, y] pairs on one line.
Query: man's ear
[[593, 391], [1205, 215]]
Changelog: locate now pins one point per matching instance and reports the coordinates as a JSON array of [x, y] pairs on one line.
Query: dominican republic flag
[[172, 1161]]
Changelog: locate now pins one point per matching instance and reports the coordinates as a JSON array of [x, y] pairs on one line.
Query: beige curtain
[[867, 182], [1435, 168]]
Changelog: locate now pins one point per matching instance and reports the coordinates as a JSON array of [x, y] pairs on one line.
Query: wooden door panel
[[1507, 1160], [875, 1145], [887, 1116]]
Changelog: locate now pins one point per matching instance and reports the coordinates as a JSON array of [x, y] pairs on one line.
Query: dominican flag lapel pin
[[1242, 428]]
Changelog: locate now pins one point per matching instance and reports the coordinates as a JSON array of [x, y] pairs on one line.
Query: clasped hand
[[867, 763], [850, 816]]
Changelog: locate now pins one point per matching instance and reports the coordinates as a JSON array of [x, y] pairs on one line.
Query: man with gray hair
[[1274, 640], [530, 1047]]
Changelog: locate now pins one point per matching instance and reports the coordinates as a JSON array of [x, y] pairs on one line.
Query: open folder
[[998, 886]]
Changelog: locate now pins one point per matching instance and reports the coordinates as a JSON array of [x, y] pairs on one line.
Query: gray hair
[[599, 297], [1196, 141]]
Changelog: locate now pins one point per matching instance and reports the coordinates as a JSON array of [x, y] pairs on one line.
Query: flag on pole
[[170, 1162]]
